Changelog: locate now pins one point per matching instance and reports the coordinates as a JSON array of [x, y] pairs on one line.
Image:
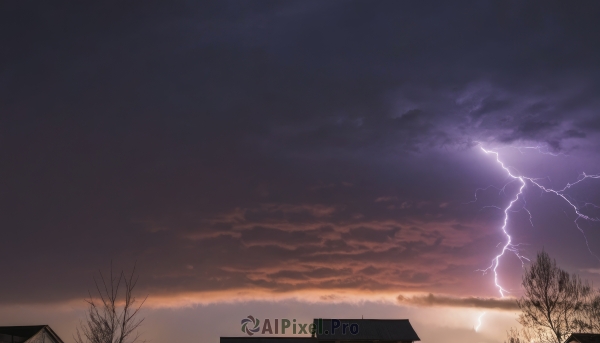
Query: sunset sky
[[294, 159]]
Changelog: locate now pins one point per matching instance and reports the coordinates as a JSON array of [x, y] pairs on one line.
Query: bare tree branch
[[112, 318]]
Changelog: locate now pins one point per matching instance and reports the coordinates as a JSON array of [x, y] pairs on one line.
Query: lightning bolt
[[524, 180], [479, 322], [508, 246]]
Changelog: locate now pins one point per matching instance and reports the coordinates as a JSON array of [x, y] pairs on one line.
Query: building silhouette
[[28, 334], [343, 331]]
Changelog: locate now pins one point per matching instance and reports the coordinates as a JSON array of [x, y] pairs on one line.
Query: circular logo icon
[[250, 325]]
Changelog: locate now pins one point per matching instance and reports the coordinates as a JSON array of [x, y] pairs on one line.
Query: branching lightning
[[508, 246], [524, 181]]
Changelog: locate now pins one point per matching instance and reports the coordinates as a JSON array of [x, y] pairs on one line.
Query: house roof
[[584, 338], [370, 329], [268, 340], [21, 331], [24, 333]]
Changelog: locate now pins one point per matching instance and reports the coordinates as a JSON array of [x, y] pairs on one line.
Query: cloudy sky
[[294, 159]]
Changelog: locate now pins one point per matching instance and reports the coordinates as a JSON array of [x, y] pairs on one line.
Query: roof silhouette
[[18, 334], [369, 329], [584, 338]]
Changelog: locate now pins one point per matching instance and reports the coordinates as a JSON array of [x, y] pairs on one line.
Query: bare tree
[[590, 320], [518, 336], [112, 317], [554, 302]]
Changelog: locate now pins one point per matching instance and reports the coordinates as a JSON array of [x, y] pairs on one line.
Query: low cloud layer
[[474, 302]]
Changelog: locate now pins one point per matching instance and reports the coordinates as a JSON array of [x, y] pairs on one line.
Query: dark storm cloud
[[437, 300], [275, 145]]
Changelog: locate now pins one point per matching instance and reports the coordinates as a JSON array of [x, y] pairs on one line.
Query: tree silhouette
[[554, 303], [112, 317]]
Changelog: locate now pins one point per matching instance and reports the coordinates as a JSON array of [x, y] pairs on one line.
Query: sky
[[294, 159]]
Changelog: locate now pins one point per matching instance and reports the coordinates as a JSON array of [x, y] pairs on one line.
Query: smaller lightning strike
[[479, 322], [509, 246], [540, 148]]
